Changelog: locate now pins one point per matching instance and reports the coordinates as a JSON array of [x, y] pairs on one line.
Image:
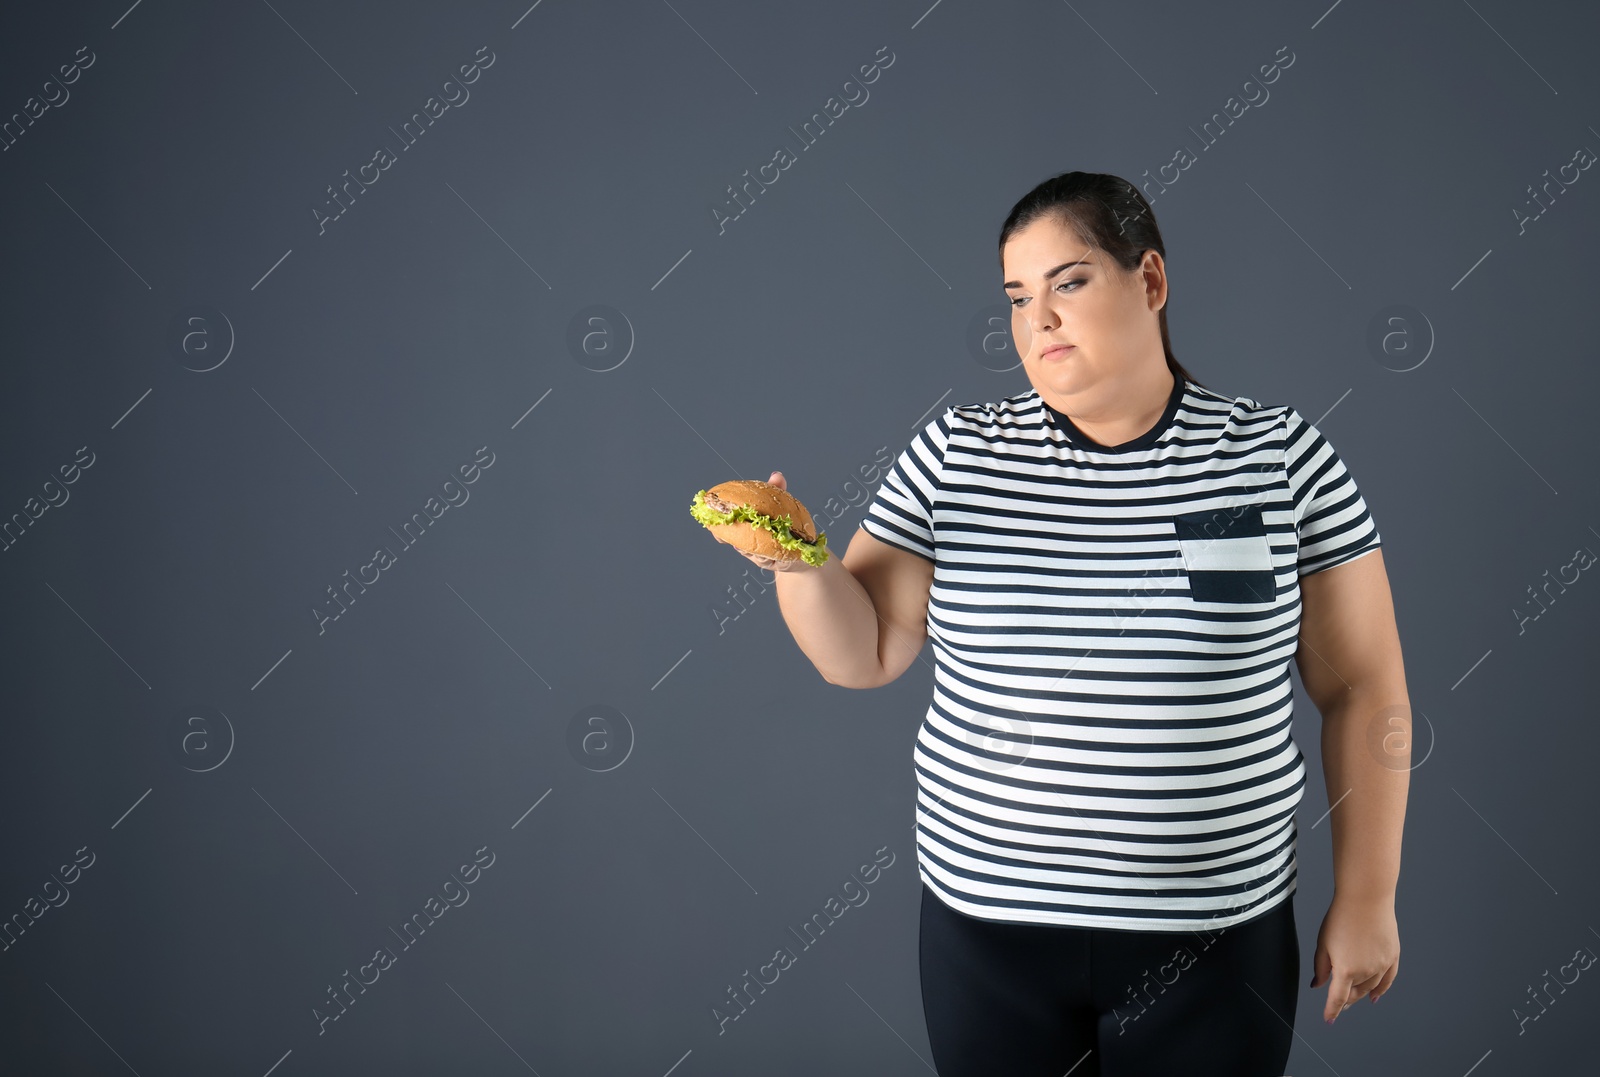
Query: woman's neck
[[1128, 413]]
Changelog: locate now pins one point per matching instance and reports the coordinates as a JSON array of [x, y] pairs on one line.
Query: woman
[[1115, 568]]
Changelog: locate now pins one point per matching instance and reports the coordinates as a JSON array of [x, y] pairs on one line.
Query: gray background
[[264, 802]]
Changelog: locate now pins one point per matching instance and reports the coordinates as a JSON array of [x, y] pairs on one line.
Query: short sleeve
[[1330, 514], [901, 512]]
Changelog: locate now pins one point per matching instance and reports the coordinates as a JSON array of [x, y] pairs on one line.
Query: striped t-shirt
[[1109, 742]]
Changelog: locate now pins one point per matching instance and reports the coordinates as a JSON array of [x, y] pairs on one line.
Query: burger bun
[[769, 500]]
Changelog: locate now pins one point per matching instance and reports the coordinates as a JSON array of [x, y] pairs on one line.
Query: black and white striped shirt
[[1109, 742]]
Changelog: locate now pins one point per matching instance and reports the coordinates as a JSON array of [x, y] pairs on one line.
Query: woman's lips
[[1055, 350]]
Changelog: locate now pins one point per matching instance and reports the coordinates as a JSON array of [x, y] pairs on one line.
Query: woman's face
[[1064, 293]]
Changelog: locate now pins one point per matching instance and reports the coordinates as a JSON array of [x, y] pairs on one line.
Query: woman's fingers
[[773, 564]]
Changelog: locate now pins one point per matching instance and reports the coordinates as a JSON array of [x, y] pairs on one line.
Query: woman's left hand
[[1358, 951]]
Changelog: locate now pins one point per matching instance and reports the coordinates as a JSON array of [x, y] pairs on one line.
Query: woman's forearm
[[1366, 759], [832, 618]]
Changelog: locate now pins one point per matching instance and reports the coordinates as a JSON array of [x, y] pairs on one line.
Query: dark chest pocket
[[1226, 555]]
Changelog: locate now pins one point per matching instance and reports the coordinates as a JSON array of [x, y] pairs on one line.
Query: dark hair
[[1109, 214]]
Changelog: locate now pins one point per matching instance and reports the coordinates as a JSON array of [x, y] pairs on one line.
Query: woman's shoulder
[[1244, 408], [982, 422], [1019, 409]]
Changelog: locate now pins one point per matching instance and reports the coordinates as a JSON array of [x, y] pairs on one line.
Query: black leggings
[[1040, 1000]]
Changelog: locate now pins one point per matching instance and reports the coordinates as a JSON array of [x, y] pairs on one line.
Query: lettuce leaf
[[812, 553]]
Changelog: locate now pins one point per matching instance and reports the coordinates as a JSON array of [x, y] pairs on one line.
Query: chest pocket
[[1226, 556]]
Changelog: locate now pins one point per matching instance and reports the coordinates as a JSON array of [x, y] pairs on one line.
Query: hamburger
[[760, 518]]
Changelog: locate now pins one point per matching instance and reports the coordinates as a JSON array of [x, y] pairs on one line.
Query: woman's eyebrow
[[1064, 265]]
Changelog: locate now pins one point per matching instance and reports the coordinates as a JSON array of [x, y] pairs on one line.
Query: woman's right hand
[[770, 563]]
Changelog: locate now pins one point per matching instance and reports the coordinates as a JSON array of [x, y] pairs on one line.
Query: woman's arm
[[860, 619], [1349, 660]]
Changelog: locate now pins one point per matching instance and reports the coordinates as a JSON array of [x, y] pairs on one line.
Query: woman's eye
[[1018, 301]]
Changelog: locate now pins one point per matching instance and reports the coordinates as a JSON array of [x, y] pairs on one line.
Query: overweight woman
[[1115, 569]]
